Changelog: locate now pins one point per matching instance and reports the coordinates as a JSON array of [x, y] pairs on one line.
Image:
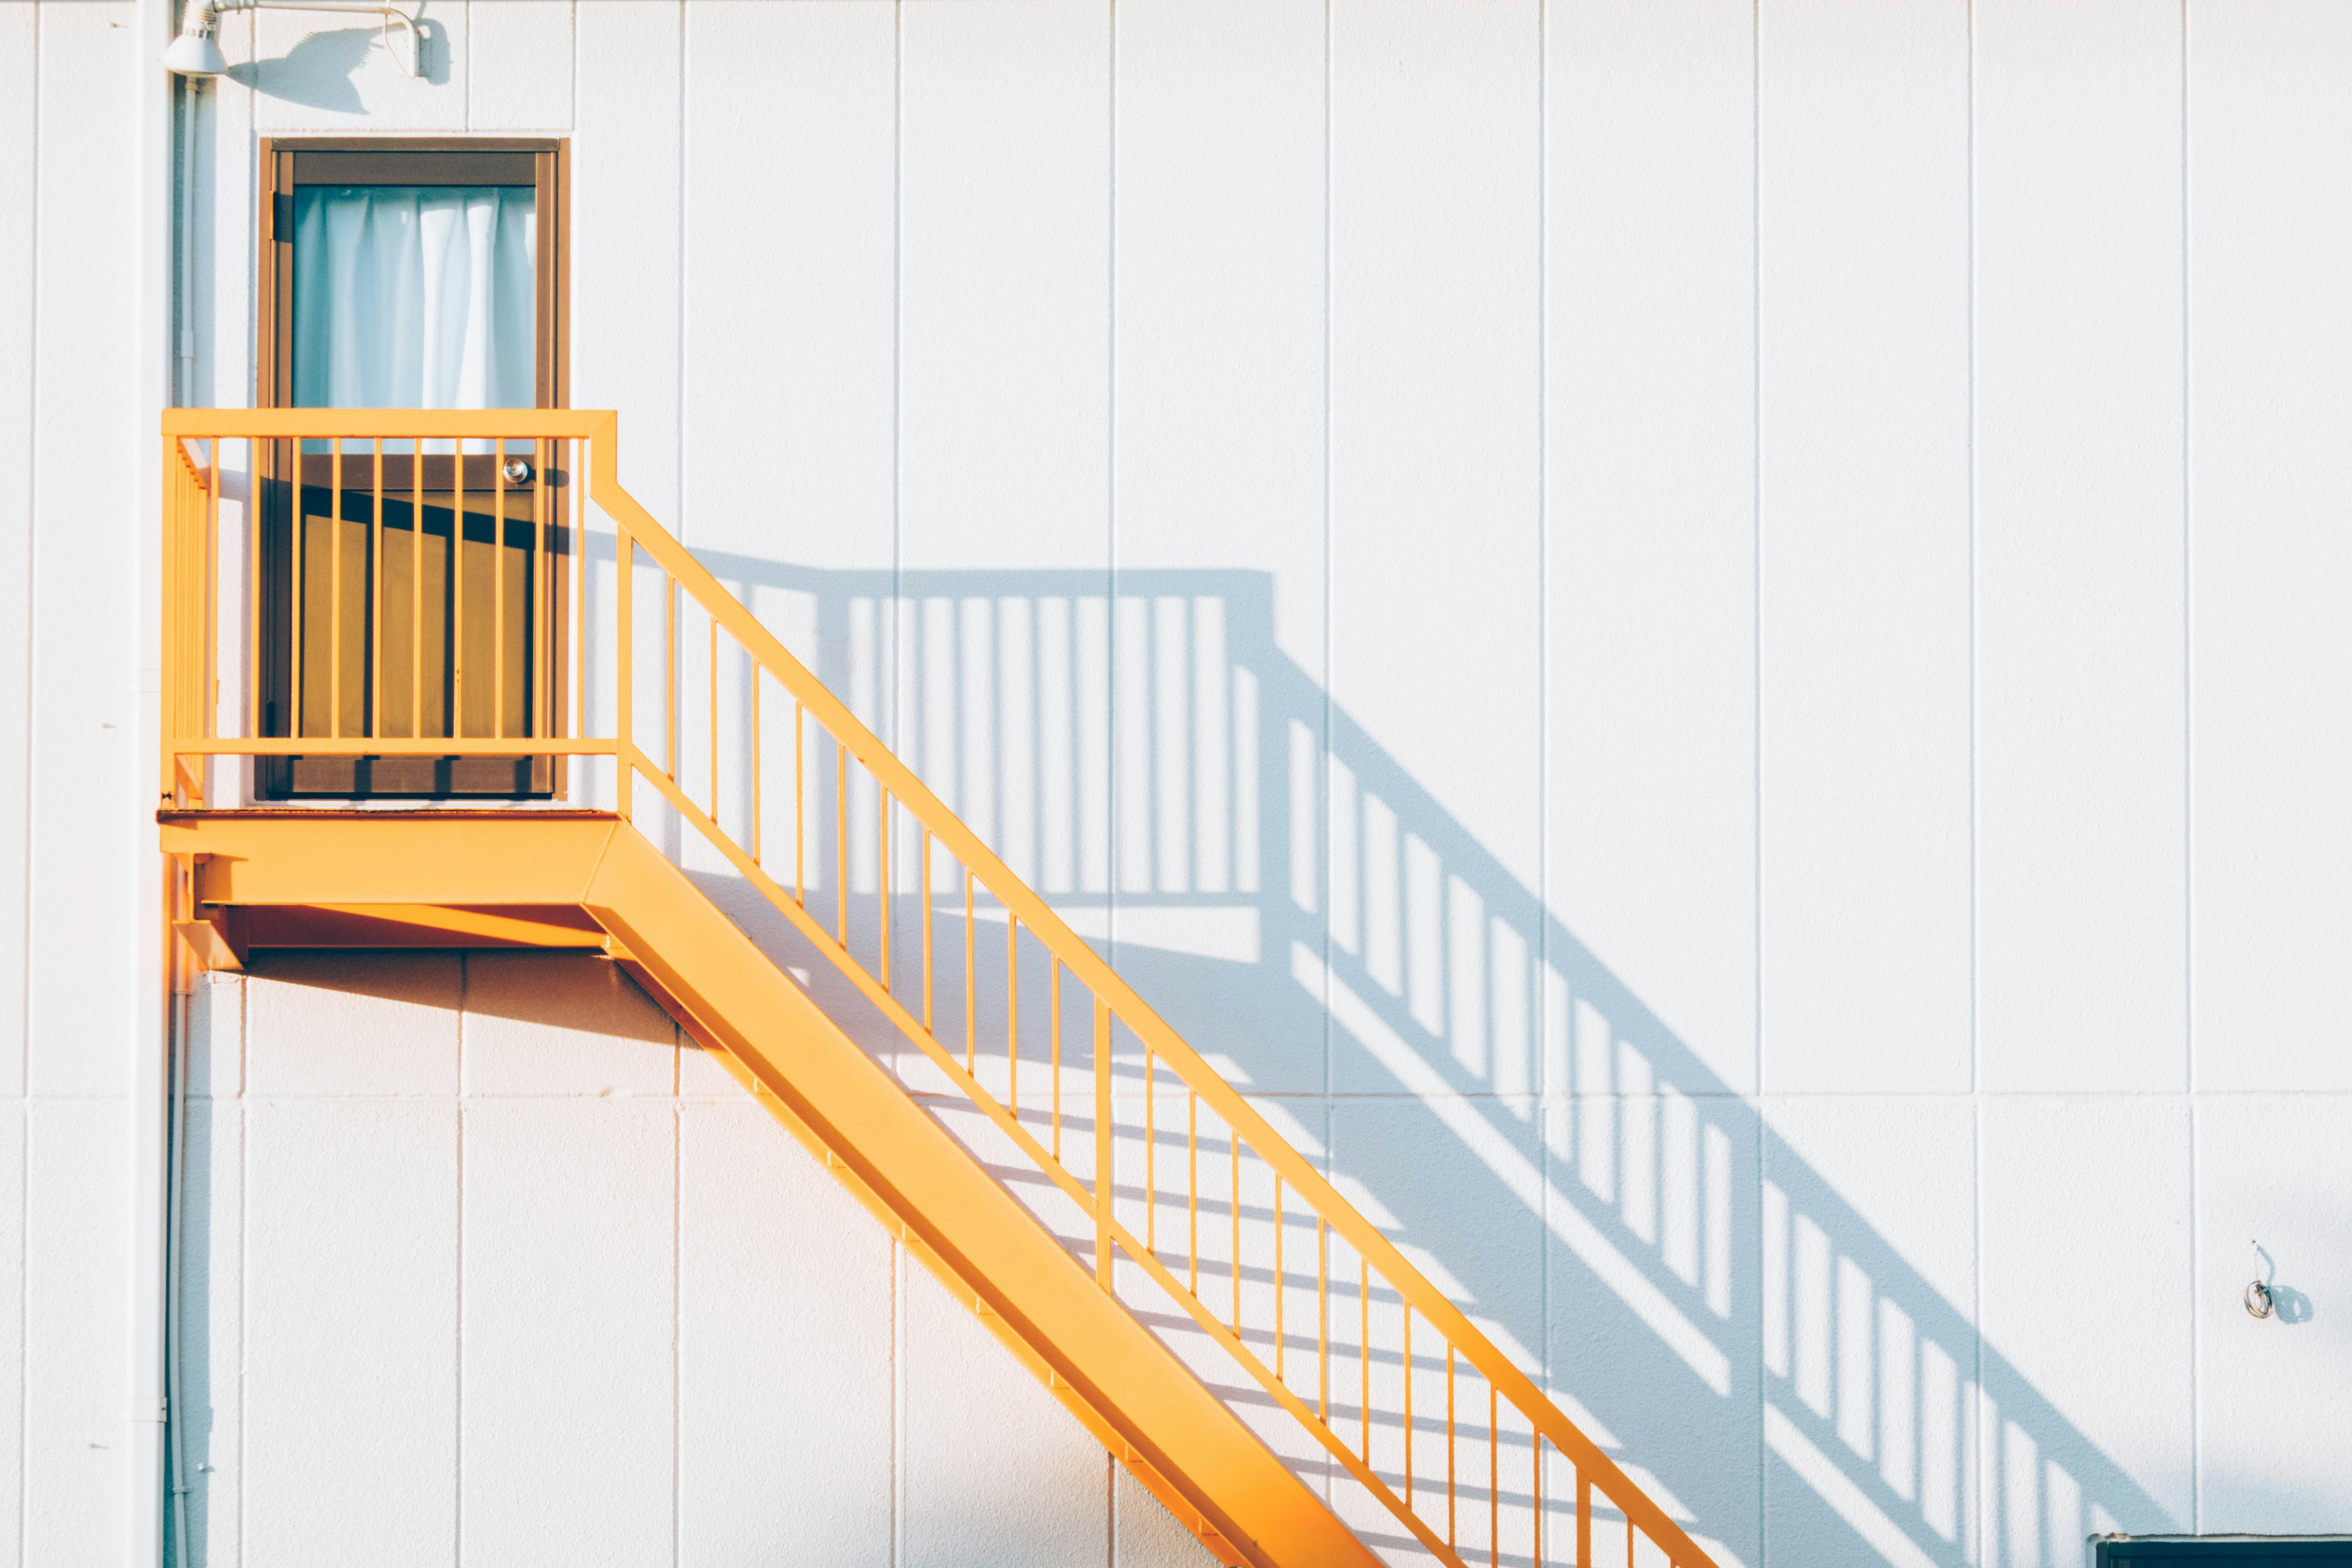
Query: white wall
[[1708, 632], [484, 1267]]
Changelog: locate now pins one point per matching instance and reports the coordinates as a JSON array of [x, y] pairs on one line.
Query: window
[[407, 274]]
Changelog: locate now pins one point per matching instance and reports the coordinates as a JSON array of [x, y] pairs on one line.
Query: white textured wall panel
[[626, 218], [1862, 286], [790, 255], [1003, 420], [2270, 561], [1868, 1277], [349, 1366], [583, 1320], [1004, 284], [2079, 595], [518, 65], [1650, 508], [75, 1384], [83, 880], [1436, 539], [357, 1024], [540, 1024], [788, 1406], [19, 308], [2273, 1169], [1219, 532], [2087, 1294], [994, 1470], [568, 1417], [14, 1302]]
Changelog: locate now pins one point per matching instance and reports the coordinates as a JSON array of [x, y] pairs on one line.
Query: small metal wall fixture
[[2258, 1291]]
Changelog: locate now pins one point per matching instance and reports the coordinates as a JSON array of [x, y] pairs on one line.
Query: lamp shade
[[194, 53]]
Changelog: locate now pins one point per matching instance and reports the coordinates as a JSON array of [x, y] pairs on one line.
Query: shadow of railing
[[1320, 926]]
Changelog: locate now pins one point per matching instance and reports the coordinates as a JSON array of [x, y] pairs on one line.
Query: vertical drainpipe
[[149, 980]]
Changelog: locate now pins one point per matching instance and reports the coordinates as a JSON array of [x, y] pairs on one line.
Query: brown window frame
[[289, 161], [286, 163]]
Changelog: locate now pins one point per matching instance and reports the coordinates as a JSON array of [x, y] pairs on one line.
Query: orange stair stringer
[[1184, 1444]]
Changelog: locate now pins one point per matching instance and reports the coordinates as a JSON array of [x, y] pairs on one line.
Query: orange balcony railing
[[469, 606]]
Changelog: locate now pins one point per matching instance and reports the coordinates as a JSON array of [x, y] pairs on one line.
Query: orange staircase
[[424, 600]]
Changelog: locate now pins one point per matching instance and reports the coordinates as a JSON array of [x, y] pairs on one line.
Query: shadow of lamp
[[196, 53]]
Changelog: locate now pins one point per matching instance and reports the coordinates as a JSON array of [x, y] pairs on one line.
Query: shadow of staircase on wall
[[1679, 1277]]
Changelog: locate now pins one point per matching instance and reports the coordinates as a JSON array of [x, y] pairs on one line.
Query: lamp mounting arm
[[196, 55]]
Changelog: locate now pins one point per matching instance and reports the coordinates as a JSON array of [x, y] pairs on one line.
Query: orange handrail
[[191, 736]]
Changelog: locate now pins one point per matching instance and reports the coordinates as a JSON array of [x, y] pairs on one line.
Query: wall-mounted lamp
[[196, 53]]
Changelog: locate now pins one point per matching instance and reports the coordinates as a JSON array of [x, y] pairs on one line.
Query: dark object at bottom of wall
[[2225, 1551]]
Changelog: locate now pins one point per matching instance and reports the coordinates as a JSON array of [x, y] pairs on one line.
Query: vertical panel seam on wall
[[1541, 1074], [897, 1255], [1756, 541], [1756, 669], [2189, 824], [32, 609], [458, 1318], [678, 1300], [1321, 755], [1321, 752], [1976, 1454], [244, 1251], [1110, 522], [24, 1000], [678, 1111], [677, 370], [889, 677]]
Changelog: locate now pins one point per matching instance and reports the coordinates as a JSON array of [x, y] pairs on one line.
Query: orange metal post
[[800, 810], [1192, 1192], [335, 594], [1408, 1404], [294, 600], [1105, 1177], [625, 644], [1281, 1283], [374, 724], [1057, 1059], [1453, 1447], [458, 576], [712, 661], [841, 843], [1151, 1159], [416, 591], [928, 1028], [1322, 1318], [254, 572], [499, 588], [970, 983], [1012, 1012], [669, 676], [1233, 1205]]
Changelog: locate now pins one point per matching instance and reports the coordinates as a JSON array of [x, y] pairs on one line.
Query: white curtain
[[415, 296]]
